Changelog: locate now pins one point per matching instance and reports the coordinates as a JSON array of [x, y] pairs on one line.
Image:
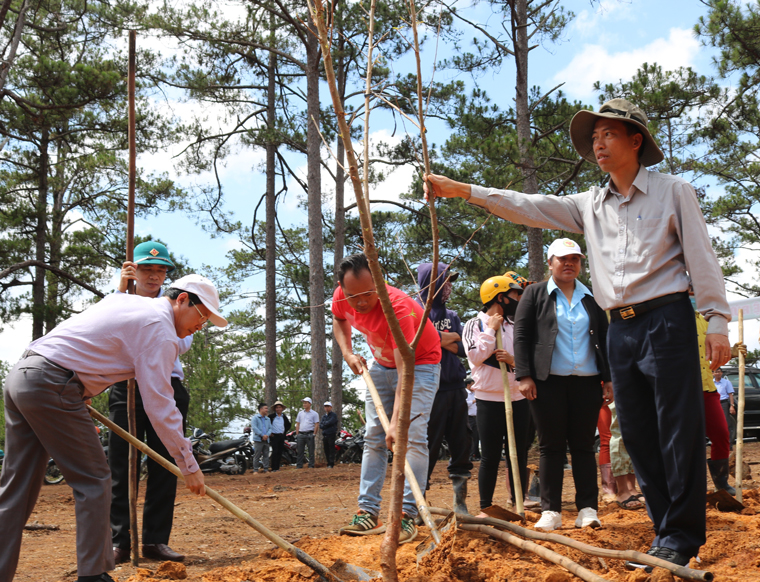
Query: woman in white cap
[[561, 364]]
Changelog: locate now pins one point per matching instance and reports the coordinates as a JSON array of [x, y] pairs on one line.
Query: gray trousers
[[46, 416], [260, 452], [302, 441]]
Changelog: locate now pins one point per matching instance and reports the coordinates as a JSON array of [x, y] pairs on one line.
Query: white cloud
[[396, 182], [596, 63], [588, 22]]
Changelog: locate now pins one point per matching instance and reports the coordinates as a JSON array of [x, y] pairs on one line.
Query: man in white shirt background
[[307, 427]]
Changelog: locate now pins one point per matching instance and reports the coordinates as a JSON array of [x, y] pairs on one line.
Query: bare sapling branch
[[361, 191], [426, 169]]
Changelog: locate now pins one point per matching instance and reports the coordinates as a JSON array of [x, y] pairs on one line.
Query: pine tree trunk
[[55, 240], [38, 288], [522, 111], [319, 387], [270, 329]]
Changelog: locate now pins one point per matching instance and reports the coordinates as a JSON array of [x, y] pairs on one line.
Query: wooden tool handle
[[228, 505], [516, 479]]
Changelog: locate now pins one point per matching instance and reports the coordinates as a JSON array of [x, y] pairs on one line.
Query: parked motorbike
[[290, 450], [354, 447], [53, 474], [341, 444], [233, 456]]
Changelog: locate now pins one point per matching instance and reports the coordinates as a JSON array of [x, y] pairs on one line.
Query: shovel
[[422, 505], [498, 512], [348, 571], [723, 501], [518, 492]]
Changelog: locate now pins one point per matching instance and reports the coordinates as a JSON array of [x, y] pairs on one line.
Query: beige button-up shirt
[[639, 248]]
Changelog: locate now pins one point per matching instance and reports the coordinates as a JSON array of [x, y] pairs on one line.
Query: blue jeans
[[375, 458]]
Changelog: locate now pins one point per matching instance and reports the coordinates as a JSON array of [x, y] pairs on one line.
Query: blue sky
[[607, 41]]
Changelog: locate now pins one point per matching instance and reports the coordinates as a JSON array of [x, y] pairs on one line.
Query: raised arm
[[537, 210]]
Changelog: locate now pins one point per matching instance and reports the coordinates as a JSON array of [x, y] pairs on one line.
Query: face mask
[[446, 292], [509, 307]]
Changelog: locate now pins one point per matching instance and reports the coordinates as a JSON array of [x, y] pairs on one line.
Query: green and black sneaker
[[363, 524], [408, 530]]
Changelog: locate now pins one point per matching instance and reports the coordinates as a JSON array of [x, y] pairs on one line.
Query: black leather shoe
[[666, 554], [161, 552], [120, 555], [630, 565], [672, 556], [104, 577]]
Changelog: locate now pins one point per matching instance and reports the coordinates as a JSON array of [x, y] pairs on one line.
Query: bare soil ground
[[308, 506]]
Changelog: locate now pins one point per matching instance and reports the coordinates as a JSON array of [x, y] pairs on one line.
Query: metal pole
[[518, 492], [740, 415], [133, 455]]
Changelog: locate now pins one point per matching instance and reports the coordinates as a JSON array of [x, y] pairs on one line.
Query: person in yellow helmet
[[500, 296]]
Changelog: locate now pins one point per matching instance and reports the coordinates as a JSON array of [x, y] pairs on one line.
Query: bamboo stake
[[131, 418], [511, 432], [413, 484], [545, 553], [640, 557], [297, 553], [740, 416]]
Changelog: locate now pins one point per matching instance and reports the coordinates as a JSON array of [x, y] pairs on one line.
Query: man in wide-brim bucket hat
[[582, 128], [646, 240]]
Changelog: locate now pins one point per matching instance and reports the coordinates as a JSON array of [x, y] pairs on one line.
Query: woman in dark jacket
[[561, 364]]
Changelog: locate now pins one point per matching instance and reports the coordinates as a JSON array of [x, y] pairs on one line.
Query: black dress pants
[[654, 360], [492, 424], [565, 411], [277, 441], [161, 489], [448, 419], [328, 441]]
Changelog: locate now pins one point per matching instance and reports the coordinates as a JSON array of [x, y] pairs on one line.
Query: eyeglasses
[[204, 318]]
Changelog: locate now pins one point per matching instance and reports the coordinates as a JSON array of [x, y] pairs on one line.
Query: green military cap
[[153, 253]]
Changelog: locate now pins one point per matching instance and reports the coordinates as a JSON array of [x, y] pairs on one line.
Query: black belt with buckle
[[631, 311]]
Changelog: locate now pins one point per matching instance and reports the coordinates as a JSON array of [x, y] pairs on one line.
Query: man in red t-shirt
[[356, 304]]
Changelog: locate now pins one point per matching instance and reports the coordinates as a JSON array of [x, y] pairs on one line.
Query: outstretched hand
[[443, 187]]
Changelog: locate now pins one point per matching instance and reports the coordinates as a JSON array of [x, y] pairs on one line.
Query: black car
[[751, 396]]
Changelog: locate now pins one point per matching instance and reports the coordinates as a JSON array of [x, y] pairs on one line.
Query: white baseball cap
[[563, 247], [328, 403], [307, 399], [206, 292]]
